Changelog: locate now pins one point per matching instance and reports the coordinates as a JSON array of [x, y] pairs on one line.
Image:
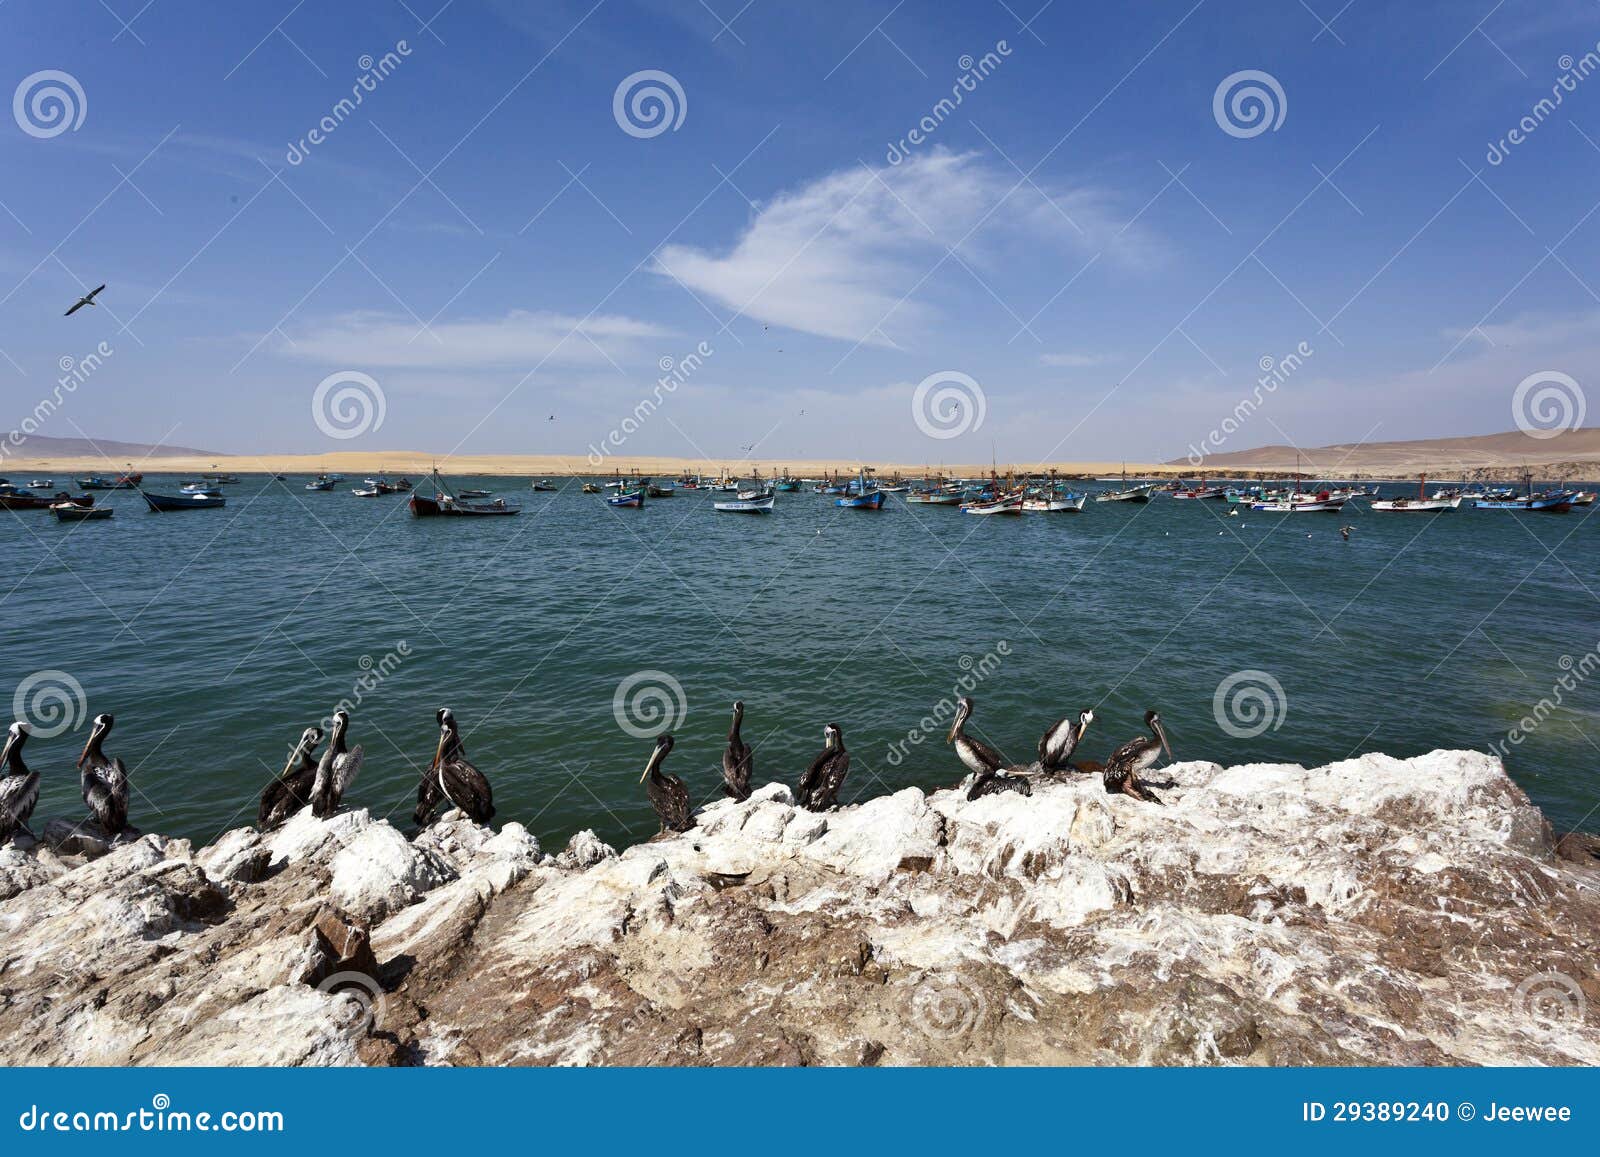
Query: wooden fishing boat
[[42, 484], [444, 503], [542, 484], [1548, 501], [943, 497], [1421, 504], [163, 503], [469, 493], [590, 488], [1008, 503], [72, 512], [200, 488], [762, 505], [626, 498], [1056, 503], [859, 496], [1202, 492], [1137, 494], [1583, 498], [11, 498], [322, 482], [1323, 502], [120, 482], [366, 491], [660, 489]]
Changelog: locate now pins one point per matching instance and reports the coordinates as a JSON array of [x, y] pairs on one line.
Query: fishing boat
[[860, 496], [72, 512], [1583, 498], [660, 489], [1007, 503], [444, 502], [1421, 504], [626, 498], [321, 482], [1052, 499], [42, 484], [590, 488], [199, 488], [470, 493], [162, 503], [1202, 492], [12, 498], [1547, 501], [1139, 494], [762, 505], [944, 496], [542, 484], [1295, 502], [786, 484], [120, 482]]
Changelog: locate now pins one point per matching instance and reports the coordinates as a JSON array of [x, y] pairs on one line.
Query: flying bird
[[86, 299]]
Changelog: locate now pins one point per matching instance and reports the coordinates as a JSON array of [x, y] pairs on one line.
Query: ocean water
[[562, 636]]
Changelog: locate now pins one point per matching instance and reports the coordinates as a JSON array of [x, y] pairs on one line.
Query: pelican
[[1058, 743], [981, 759], [453, 778], [19, 787], [337, 769], [1126, 762], [820, 783], [104, 779], [738, 761], [668, 795], [86, 299], [291, 791]]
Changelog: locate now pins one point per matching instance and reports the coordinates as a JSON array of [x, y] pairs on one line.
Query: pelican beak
[[1083, 727], [1161, 733], [438, 753], [951, 737], [5, 752], [85, 753]]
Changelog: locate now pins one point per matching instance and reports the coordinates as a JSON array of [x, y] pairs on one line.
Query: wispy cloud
[[520, 338], [1074, 360], [848, 255]]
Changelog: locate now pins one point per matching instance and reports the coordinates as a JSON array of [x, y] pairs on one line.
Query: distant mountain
[[39, 446], [1511, 449]]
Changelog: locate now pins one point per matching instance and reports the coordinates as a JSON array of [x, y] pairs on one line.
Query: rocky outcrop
[[1373, 911]]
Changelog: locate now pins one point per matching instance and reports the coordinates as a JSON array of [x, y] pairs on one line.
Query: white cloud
[[520, 338], [847, 255]]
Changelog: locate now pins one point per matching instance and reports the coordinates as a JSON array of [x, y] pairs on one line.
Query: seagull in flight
[[86, 299]]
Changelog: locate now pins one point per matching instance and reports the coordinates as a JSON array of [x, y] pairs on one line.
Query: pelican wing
[[284, 796], [346, 766], [1056, 744], [468, 789], [18, 794]]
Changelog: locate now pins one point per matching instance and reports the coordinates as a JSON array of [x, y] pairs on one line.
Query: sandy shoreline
[[416, 463]]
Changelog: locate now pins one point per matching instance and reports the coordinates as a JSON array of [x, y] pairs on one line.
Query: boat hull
[[634, 499], [746, 506], [71, 512], [873, 501], [20, 501], [1414, 505], [441, 506], [165, 503]]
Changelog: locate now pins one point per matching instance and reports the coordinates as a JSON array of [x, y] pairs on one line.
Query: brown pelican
[[336, 771], [19, 787], [104, 779], [453, 778], [738, 760], [86, 299], [668, 795], [1126, 762], [1058, 743], [291, 791], [820, 783], [982, 760]]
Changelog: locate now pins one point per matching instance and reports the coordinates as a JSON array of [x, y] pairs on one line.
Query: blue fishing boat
[[626, 498], [861, 498], [1548, 501]]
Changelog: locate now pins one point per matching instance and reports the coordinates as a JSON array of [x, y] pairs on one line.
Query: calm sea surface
[[216, 636]]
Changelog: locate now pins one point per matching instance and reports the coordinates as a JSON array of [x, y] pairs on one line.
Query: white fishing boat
[[1323, 502], [1010, 503], [1056, 503], [1421, 504], [762, 505]]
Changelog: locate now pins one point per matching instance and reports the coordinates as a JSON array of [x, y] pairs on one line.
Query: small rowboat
[[746, 506], [626, 498], [935, 498], [472, 493], [442, 503], [1138, 494], [120, 482], [1583, 498], [42, 484], [71, 512], [1010, 503], [323, 483], [368, 492], [590, 488], [161, 503], [658, 489], [200, 488]]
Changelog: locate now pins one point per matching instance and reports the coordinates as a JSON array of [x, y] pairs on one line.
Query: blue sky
[[1080, 237]]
